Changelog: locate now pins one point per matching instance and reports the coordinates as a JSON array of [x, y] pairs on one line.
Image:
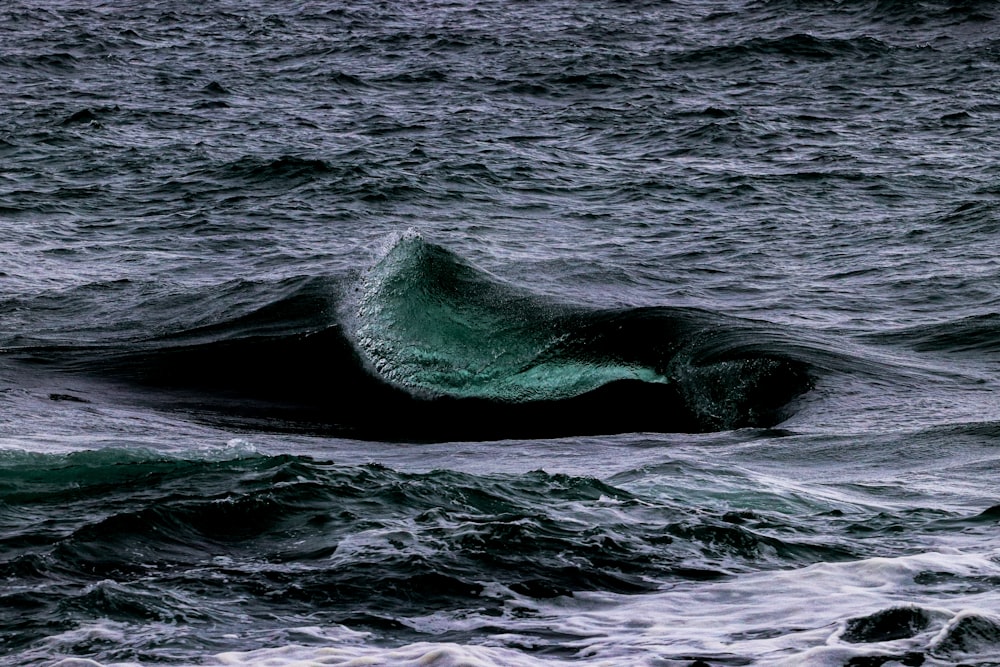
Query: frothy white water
[[783, 618], [415, 655]]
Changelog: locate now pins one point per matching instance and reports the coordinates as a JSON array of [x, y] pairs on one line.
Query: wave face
[[432, 323], [451, 352], [436, 326]]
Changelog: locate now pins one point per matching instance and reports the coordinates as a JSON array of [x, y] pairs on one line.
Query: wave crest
[[431, 323]]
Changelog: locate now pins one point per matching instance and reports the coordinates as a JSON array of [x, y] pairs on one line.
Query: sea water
[[499, 333]]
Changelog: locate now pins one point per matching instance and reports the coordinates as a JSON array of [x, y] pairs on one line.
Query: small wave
[[284, 167], [424, 75], [887, 625], [799, 46], [82, 116], [969, 636], [215, 88], [975, 335], [56, 62], [904, 12], [595, 80]]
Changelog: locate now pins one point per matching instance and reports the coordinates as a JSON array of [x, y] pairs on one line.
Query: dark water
[[500, 333]]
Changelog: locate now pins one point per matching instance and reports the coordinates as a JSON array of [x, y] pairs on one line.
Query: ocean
[[521, 333]]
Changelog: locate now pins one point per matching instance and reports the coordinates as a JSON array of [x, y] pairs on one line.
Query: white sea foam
[[783, 618], [414, 655]]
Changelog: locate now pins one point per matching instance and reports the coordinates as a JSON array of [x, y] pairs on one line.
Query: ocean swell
[[428, 347], [436, 326]]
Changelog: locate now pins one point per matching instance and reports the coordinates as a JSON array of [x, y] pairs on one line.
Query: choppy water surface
[[499, 333]]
